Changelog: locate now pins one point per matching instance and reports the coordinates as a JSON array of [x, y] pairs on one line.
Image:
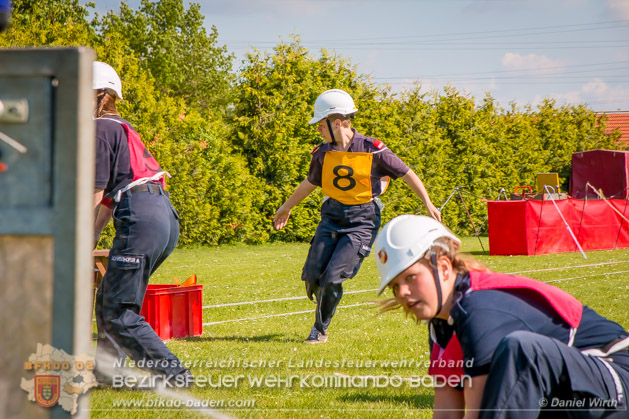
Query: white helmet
[[403, 241], [334, 101], [105, 77]]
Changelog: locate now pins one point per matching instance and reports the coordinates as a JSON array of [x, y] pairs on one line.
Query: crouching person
[[528, 347]]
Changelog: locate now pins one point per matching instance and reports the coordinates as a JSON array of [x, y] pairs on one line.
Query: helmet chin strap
[[435, 274], [330, 130]]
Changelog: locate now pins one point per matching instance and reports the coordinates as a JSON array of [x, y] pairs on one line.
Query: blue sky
[[576, 51]]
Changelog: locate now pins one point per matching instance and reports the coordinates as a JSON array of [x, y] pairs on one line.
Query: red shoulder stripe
[[315, 149], [379, 144]]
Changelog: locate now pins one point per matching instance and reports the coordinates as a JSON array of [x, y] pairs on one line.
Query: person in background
[[528, 347], [353, 170], [5, 14], [130, 185]]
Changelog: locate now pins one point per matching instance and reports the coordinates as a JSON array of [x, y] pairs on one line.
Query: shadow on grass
[[418, 401], [258, 338], [478, 253]]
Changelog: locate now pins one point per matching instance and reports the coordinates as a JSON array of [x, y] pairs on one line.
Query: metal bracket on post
[[13, 111]]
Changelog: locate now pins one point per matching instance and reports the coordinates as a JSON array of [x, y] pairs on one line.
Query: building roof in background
[[618, 120]]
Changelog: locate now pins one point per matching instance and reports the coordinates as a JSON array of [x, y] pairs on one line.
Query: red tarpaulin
[[604, 169], [534, 227]]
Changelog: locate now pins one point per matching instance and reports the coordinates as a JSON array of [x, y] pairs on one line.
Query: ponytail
[[105, 105]]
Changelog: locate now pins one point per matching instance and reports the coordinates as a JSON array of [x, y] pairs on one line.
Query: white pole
[[447, 200], [606, 201], [548, 191]]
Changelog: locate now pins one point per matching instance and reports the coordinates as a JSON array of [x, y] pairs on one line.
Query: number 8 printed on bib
[[346, 177]]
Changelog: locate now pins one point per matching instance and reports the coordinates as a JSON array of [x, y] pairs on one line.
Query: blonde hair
[[443, 246]]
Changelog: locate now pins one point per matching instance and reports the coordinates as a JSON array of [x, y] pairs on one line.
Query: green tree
[[49, 22], [182, 57], [237, 151], [272, 105]]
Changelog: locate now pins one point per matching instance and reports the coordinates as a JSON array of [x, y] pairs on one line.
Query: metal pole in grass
[[548, 191], [471, 221], [456, 188]]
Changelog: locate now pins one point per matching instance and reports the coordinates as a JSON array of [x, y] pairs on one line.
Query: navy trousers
[[342, 240], [536, 376], [147, 231]]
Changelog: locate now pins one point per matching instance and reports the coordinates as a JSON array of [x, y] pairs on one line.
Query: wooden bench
[[100, 265]]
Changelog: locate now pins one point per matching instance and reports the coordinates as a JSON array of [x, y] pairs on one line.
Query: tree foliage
[[49, 22], [238, 142], [272, 105], [172, 44]]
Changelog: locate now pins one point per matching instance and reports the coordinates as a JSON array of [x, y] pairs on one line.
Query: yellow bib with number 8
[[346, 177]]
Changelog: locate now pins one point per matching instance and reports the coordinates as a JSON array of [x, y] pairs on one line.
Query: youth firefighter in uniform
[[130, 183], [353, 170], [529, 347]]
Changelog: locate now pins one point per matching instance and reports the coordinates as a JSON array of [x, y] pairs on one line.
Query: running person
[[528, 346], [129, 183], [353, 170]]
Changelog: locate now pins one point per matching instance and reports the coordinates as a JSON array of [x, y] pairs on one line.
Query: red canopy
[[604, 169]]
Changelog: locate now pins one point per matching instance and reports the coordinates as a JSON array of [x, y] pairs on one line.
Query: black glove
[[312, 289]]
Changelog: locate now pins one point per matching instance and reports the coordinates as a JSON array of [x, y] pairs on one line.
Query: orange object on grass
[[192, 280]]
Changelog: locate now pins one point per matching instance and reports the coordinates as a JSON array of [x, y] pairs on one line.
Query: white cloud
[[596, 87], [620, 8], [595, 94], [537, 64], [602, 96]]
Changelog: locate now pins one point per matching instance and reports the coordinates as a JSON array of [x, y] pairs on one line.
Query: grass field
[[361, 342]]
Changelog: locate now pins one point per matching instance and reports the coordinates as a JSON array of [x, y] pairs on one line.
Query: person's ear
[[444, 266]]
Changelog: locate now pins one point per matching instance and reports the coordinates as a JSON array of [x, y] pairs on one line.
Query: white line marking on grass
[[586, 276], [244, 303], [375, 289], [279, 315], [273, 300], [373, 303], [569, 267]]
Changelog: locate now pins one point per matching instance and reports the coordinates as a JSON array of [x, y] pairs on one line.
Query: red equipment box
[[174, 312], [531, 227]]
